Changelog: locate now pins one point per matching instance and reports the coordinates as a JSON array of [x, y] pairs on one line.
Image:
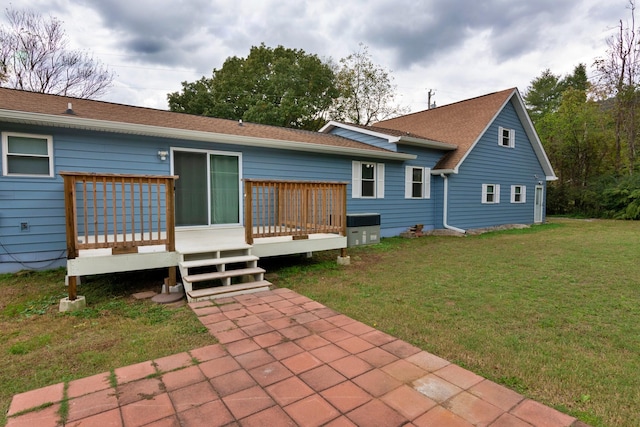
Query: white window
[[27, 155], [417, 183], [518, 194], [490, 193], [367, 180], [506, 137]]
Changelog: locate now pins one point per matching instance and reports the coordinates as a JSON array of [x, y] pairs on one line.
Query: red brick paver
[[286, 360]]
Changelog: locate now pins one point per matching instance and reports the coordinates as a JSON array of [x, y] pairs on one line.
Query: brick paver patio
[[285, 360]]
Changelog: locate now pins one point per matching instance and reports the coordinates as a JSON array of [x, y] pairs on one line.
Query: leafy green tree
[[367, 93], [545, 93], [543, 96], [576, 133], [581, 130], [275, 86], [34, 57]]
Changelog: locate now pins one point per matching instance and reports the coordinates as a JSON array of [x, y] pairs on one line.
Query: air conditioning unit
[[363, 229]]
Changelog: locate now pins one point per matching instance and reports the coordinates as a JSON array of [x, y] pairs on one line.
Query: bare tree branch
[[34, 57]]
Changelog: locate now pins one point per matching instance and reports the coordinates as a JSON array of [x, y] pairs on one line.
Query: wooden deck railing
[[294, 208], [117, 211]]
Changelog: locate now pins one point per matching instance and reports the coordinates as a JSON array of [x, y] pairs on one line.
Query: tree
[[575, 131], [34, 57], [366, 91], [545, 93], [543, 96], [619, 78], [281, 87]]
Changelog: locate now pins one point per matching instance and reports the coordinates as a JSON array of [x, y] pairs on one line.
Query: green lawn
[[552, 311], [40, 346]]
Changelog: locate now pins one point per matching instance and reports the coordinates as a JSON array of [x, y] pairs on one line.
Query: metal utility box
[[363, 229]]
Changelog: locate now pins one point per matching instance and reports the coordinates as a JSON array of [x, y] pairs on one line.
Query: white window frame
[[409, 182], [6, 155], [486, 193], [522, 194], [356, 180], [511, 140]]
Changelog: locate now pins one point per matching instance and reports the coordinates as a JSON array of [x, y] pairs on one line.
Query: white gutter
[[174, 133], [445, 206]]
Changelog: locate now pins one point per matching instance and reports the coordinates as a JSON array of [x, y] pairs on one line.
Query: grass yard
[[40, 346], [552, 311]]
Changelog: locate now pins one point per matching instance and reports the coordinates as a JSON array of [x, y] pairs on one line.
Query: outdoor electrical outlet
[[24, 226]]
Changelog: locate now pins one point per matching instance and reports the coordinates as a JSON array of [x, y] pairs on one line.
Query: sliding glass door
[[208, 188]]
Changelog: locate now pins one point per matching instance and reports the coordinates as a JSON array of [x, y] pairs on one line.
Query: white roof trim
[[334, 124], [223, 138], [529, 130], [409, 140]]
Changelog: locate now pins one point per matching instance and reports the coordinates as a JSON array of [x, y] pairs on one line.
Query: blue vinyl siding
[[40, 201], [489, 163]]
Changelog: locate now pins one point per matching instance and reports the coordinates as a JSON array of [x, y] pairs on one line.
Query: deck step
[[223, 274], [227, 291], [218, 261]]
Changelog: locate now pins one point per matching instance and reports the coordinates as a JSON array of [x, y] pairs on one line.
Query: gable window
[[27, 155], [367, 180], [518, 194], [506, 137], [417, 183], [490, 193]]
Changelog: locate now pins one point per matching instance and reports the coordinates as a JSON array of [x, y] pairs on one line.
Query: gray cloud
[[455, 44], [422, 31]]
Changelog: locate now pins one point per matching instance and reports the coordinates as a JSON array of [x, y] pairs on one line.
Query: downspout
[[445, 206]]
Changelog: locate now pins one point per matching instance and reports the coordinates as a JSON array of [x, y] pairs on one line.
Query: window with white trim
[[367, 180], [518, 194], [490, 193], [417, 182], [506, 137], [27, 154]]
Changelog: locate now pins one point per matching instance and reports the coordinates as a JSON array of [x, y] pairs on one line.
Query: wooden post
[[248, 212], [170, 226], [72, 288], [72, 251]]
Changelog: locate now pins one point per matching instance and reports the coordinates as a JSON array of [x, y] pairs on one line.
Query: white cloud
[[458, 47]]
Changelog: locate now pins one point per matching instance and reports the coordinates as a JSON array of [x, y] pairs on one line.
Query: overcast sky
[[458, 48]]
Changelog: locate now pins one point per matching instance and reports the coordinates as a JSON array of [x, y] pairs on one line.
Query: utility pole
[[431, 93]]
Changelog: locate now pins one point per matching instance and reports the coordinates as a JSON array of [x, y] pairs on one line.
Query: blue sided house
[[101, 187]]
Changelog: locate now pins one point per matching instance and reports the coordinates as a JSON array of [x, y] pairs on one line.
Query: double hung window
[[27, 155]]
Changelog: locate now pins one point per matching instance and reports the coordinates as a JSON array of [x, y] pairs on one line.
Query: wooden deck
[[119, 223]]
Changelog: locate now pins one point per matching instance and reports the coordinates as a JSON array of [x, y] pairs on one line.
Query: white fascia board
[[443, 171], [332, 124], [222, 138], [489, 123], [530, 130], [408, 140], [411, 140]]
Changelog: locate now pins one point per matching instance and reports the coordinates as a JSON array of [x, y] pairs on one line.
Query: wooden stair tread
[[221, 290], [218, 248], [223, 274], [218, 261]]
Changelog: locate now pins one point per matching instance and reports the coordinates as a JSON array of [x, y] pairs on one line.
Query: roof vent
[[69, 109]]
